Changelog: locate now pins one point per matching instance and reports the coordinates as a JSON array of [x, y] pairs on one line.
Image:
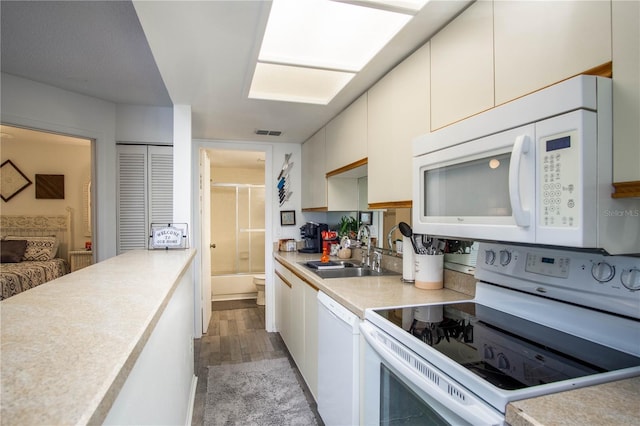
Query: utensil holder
[[429, 271], [408, 261]]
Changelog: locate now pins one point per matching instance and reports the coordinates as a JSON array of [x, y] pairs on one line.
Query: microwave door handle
[[520, 214]]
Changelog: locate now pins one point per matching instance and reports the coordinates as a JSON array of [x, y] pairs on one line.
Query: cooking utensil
[[406, 230]]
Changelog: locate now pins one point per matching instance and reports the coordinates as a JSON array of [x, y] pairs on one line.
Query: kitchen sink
[[348, 270]]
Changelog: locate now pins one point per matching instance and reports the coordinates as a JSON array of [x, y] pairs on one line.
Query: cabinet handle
[[212, 245]]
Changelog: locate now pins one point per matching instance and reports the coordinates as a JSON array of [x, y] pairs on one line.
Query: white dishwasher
[[338, 363]]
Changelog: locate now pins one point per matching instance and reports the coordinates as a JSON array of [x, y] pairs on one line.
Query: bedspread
[[18, 277]]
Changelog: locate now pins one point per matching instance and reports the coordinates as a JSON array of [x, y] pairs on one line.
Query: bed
[[34, 251]]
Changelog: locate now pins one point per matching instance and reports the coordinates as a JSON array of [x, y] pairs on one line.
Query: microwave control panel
[[559, 180]]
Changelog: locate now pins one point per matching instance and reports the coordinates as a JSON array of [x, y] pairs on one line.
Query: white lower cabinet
[[297, 322], [283, 315]]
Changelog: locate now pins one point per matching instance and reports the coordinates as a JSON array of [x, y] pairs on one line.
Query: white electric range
[[543, 321]]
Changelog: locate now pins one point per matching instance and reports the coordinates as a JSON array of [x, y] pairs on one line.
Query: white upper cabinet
[[398, 112], [346, 136], [626, 91], [314, 182], [462, 66], [539, 43]]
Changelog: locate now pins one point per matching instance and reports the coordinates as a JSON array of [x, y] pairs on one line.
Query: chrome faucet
[[390, 235], [376, 265], [366, 258]]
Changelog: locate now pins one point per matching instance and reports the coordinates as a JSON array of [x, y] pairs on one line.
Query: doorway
[[70, 160], [237, 206]]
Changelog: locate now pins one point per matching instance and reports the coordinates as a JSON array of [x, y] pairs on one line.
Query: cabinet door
[[314, 184], [296, 322], [283, 310], [540, 43], [311, 339], [398, 112], [462, 66], [346, 136], [626, 90], [132, 193], [160, 184]]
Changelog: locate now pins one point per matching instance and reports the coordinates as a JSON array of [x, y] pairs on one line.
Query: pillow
[[39, 248], [12, 251]]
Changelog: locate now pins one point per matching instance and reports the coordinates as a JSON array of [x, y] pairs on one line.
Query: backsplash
[[453, 280]]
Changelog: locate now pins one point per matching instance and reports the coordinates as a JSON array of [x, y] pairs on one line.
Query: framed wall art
[[12, 180], [365, 218], [49, 187], [287, 217]]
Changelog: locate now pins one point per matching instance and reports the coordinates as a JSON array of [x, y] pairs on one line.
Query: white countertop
[[69, 345], [360, 293]]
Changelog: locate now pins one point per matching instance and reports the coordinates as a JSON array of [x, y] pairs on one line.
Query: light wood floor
[[237, 334]]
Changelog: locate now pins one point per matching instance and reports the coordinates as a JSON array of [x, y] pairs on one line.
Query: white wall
[[73, 161], [143, 124], [35, 105]]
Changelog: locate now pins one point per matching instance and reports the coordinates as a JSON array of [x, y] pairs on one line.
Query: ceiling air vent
[[268, 132]]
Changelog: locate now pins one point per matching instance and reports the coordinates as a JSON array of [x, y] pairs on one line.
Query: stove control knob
[[603, 272], [505, 257], [489, 257], [631, 278], [503, 362], [488, 352]]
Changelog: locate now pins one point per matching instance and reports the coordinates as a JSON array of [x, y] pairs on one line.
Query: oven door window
[[399, 405]]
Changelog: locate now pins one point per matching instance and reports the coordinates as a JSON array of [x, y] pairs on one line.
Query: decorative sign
[[283, 180], [168, 236]]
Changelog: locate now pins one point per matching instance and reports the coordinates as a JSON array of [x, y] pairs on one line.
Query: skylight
[[312, 48]]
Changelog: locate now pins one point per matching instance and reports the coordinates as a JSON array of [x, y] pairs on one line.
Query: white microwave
[[537, 170]]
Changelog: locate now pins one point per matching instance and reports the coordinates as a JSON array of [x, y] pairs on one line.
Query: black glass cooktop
[[507, 351]]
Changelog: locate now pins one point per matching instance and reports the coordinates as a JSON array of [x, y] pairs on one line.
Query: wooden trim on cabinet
[[284, 280], [348, 167], [626, 189], [391, 205], [315, 209], [604, 70], [297, 274], [305, 280]]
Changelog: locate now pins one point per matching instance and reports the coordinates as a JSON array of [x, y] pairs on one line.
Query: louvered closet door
[[144, 192], [132, 197], [160, 184]]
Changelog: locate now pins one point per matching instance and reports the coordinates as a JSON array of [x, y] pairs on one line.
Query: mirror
[[461, 255]]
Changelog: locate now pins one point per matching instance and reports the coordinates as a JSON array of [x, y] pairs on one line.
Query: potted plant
[[348, 227]]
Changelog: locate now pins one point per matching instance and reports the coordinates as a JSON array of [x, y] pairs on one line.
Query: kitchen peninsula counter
[[69, 346]]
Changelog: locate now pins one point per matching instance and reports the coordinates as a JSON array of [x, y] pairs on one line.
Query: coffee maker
[[311, 233]]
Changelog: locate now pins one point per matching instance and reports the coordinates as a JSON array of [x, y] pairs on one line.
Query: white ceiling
[[198, 53]]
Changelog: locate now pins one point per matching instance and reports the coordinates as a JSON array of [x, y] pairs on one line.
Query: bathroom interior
[[237, 225]]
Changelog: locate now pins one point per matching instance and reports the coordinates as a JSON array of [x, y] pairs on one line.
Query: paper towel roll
[[408, 261]]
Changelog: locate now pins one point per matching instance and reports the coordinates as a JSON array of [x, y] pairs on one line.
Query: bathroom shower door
[[238, 232]]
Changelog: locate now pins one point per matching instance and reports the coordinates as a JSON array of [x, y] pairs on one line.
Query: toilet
[[258, 280]]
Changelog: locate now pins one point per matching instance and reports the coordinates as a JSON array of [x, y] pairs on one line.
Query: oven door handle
[[520, 149], [471, 409]]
